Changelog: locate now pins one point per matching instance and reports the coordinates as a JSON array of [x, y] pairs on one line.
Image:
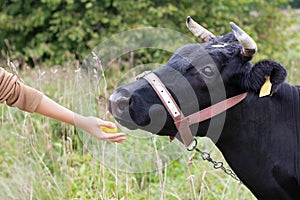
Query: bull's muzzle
[[119, 103]]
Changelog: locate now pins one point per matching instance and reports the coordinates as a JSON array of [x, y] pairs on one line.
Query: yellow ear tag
[[265, 90], [109, 130]]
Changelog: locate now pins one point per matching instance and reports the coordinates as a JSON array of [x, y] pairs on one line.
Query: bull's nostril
[[122, 106], [123, 103], [119, 103]]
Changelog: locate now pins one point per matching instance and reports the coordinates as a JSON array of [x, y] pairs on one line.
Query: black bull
[[260, 137]]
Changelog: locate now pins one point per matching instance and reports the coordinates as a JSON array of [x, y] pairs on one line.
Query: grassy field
[[44, 159], [41, 158]]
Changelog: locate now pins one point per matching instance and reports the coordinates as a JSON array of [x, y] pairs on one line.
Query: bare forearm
[[52, 109], [14, 93]]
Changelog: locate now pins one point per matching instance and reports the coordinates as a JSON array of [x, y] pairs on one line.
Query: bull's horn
[[198, 30], [249, 46]]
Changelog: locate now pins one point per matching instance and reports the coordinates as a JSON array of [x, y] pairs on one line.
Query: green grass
[[41, 158]]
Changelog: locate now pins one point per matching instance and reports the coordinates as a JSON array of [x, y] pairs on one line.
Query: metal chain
[[217, 165]]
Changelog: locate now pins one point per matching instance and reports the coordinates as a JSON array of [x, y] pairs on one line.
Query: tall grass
[[41, 158]]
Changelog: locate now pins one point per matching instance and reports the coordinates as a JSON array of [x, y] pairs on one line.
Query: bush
[[55, 31]]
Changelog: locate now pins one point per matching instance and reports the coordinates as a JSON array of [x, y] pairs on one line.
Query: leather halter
[[182, 122]]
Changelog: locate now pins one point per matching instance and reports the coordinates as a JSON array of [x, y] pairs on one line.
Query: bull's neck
[[257, 117]]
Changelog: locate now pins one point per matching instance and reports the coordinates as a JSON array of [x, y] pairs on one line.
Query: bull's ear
[[256, 77]]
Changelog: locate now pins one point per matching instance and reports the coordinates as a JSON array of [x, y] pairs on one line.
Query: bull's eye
[[207, 71]]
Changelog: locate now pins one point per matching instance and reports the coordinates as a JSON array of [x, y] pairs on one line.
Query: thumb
[[107, 124]]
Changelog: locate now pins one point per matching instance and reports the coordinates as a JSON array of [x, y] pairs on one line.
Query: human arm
[[17, 94], [50, 108]]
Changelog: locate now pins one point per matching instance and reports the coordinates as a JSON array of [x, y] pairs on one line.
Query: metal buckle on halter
[[141, 75], [192, 146]]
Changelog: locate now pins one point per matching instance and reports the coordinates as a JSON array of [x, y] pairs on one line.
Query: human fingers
[[118, 140], [106, 123], [115, 137], [110, 136]]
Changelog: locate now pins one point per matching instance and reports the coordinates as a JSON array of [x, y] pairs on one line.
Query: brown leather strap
[[164, 95], [185, 135], [214, 110], [181, 122]]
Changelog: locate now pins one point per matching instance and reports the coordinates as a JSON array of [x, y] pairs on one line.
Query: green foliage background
[[55, 31]]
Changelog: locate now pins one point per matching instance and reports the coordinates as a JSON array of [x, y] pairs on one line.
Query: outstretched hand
[[50, 108], [92, 126]]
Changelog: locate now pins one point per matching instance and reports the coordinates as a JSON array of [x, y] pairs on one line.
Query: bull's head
[[219, 68]]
